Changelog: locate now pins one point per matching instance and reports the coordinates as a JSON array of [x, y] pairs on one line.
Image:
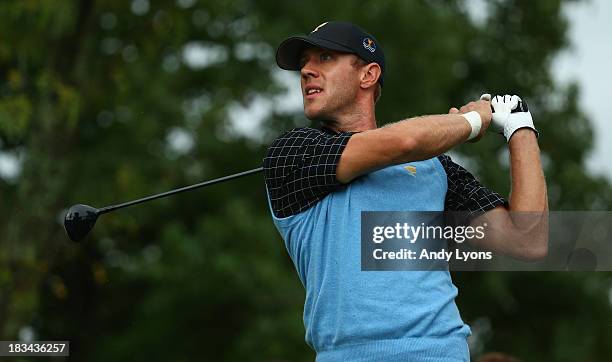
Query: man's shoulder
[[301, 139], [300, 168], [449, 165], [444, 159], [299, 132], [288, 141], [309, 133]]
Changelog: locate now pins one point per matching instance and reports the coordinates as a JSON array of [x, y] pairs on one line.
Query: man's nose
[[308, 70]]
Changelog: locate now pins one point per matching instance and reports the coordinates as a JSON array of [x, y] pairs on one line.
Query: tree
[[108, 101]]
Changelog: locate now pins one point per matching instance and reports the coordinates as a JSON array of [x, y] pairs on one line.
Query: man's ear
[[370, 75]]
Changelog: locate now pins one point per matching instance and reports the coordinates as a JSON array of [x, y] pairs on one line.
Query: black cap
[[340, 36]]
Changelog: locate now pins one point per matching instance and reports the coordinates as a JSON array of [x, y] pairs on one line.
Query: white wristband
[[475, 122]]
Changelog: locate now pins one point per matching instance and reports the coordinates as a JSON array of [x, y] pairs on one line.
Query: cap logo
[[318, 27], [369, 45]]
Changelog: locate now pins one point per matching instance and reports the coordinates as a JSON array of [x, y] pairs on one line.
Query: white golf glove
[[510, 113]]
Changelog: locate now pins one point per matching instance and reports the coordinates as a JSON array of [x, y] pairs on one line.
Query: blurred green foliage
[[106, 101]]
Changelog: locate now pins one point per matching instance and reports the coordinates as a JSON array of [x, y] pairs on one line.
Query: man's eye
[[325, 56]]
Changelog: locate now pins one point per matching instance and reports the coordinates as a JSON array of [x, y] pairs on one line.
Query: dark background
[[110, 100]]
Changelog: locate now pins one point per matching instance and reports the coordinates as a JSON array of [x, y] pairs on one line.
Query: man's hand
[[510, 114], [483, 107]]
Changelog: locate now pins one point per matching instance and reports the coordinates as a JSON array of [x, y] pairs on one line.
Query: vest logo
[[411, 170], [318, 27], [369, 45]]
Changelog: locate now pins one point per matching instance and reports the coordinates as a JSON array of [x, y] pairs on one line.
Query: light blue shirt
[[354, 315]]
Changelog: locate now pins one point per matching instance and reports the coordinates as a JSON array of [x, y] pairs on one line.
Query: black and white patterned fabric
[[300, 170], [465, 193]]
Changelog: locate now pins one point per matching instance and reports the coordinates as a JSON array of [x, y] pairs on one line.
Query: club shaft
[[176, 191]]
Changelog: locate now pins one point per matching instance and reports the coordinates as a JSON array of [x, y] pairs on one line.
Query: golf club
[[80, 219]]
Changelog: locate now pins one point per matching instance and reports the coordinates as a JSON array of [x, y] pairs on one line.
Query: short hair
[[358, 63]]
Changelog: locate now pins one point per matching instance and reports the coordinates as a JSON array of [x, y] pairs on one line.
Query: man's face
[[330, 83]]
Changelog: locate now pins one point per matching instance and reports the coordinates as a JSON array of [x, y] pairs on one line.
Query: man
[[319, 181]]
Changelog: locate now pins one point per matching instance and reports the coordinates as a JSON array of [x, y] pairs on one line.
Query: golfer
[[319, 180]]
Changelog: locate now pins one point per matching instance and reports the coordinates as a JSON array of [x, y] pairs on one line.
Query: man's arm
[[409, 140], [521, 230]]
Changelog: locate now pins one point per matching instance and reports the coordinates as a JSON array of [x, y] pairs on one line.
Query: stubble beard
[[334, 104]]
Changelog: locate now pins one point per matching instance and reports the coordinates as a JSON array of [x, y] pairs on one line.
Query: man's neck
[[345, 128], [353, 122]]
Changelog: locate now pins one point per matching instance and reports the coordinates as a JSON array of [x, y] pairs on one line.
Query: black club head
[[79, 220]]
